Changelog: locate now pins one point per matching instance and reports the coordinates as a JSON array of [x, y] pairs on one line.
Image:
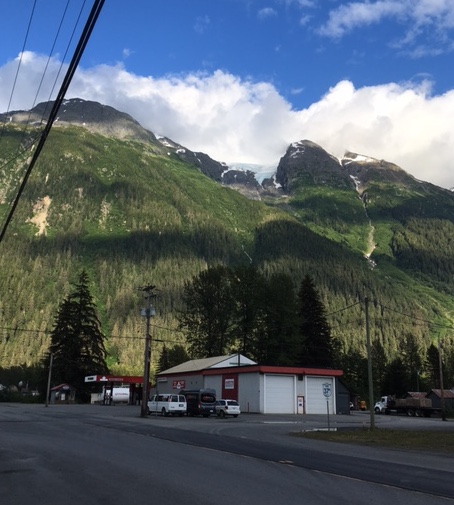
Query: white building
[[259, 388]]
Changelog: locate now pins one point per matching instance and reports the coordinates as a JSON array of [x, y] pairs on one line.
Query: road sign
[[327, 392]]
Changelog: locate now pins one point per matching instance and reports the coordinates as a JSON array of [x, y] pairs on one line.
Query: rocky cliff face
[[108, 121], [306, 163], [363, 169], [243, 181], [93, 116]]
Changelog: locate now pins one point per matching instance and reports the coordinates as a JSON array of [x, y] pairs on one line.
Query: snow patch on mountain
[[356, 181], [357, 158], [298, 148], [261, 171]]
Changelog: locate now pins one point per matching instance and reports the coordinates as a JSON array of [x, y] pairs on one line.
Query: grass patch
[[433, 441]]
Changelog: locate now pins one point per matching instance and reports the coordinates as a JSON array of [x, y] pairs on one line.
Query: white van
[[166, 404]]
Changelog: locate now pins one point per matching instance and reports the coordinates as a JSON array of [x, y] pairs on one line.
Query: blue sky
[[242, 79]]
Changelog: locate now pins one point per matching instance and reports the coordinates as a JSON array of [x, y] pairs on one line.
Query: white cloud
[[27, 88], [201, 24], [266, 12], [299, 3], [432, 19], [359, 14], [237, 120]]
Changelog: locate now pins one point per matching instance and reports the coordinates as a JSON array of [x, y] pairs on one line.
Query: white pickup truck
[[166, 404]]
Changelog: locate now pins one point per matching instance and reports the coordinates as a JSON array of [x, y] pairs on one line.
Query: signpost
[[327, 392]]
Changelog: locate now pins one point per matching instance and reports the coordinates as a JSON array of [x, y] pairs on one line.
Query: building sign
[[179, 384], [229, 384], [327, 390]]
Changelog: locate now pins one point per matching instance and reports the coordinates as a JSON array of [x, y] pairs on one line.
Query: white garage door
[[315, 400], [279, 394]]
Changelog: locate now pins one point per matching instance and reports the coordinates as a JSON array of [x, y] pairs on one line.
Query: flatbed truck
[[419, 407]]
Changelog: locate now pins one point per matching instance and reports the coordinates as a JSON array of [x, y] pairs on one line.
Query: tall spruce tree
[[278, 340], [317, 348], [248, 287], [207, 316], [171, 357], [433, 366], [77, 342]]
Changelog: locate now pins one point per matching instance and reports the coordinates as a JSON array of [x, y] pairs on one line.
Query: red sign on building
[[179, 384]]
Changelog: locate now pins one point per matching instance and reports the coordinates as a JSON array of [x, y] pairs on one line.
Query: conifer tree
[[317, 349], [207, 316], [163, 361], [278, 339], [77, 342], [171, 357], [433, 366], [248, 287]]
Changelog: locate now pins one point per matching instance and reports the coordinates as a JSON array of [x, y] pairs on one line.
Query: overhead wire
[[51, 52], [22, 147], [91, 21], [439, 325], [19, 63], [65, 54]]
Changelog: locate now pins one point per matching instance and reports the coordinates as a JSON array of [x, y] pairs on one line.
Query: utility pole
[[49, 378], [148, 312], [369, 367], [442, 386]]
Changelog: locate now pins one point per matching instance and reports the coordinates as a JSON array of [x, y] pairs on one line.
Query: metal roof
[[197, 365]]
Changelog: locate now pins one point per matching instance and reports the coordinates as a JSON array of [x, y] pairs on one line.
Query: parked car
[[200, 401], [166, 404], [227, 408]]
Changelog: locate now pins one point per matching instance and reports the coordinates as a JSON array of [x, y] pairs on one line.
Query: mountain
[[133, 209], [93, 116], [107, 121]]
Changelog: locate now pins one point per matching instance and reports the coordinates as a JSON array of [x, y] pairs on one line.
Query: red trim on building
[[326, 372]]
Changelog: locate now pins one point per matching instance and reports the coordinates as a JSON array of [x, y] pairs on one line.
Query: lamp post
[[148, 312]]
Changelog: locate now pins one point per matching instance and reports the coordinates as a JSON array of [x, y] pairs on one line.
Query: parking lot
[[277, 423]]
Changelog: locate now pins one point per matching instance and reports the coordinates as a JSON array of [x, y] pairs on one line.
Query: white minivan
[[166, 404]]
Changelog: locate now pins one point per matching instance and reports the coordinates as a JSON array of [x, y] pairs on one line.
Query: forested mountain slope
[[110, 197]]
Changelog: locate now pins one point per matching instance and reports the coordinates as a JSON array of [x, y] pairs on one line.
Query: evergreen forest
[[130, 213]]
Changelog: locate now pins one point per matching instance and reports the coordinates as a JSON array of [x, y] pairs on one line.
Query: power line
[[439, 325], [91, 21], [343, 310], [65, 54], [19, 151], [20, 61], [48, 332]]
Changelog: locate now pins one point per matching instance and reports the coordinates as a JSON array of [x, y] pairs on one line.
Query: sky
[[242, 79]]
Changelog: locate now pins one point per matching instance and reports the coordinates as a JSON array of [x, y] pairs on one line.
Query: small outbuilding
[[448, 397], [63, 393], [259, 388]]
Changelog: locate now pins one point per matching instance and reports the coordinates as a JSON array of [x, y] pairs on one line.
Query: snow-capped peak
[[358, 158]]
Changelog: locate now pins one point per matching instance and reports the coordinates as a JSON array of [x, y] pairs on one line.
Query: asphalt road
[[89, 454]]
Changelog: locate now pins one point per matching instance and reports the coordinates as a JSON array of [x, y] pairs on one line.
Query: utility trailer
[[419, 407]]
